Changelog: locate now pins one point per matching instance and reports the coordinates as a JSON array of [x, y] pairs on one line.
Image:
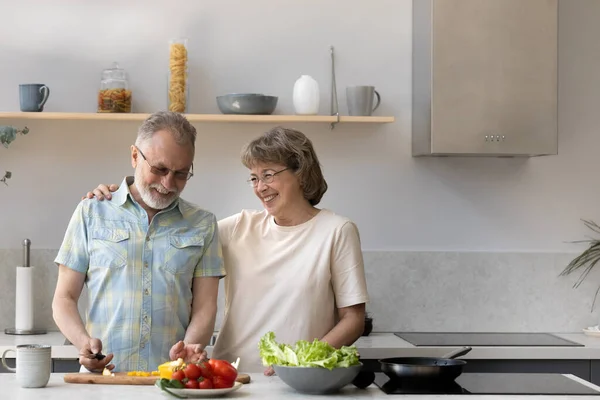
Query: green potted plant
[[7, 135], [586, 261]]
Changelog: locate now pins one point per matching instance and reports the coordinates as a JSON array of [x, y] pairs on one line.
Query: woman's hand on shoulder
[[101, 192]]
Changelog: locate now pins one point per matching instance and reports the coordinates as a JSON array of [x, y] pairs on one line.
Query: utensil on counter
[[446, 368], [334, 100], [24, 299], [247, 103]]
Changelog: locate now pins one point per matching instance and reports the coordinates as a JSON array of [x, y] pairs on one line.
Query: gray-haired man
[[151, 260]]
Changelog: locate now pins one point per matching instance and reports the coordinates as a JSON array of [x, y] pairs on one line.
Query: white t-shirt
[[285, 279]]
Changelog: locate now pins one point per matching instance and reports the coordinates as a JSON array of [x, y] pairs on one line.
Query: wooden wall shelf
[[194, 117]]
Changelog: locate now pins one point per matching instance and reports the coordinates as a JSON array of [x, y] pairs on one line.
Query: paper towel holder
[[26, 263]]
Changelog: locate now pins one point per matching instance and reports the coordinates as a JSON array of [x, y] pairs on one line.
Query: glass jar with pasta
[[178, 84], [114, 95]]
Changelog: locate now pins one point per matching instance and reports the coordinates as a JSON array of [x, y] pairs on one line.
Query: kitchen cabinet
[[595, 372], [64, 366], [58, 365], [580, 368], [485, 78]]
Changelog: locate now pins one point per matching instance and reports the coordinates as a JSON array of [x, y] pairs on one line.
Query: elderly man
[[151, 260]]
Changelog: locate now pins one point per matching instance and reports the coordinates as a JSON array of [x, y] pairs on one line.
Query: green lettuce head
[[306, 354]]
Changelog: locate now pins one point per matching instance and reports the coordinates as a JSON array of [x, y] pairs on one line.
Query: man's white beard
[[149, 194]]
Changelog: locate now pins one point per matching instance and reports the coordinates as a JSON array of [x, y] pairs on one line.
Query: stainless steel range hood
[[485, 78]]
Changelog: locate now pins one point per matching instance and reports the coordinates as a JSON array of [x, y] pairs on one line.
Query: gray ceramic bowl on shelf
[[247, 103], [315, 380]]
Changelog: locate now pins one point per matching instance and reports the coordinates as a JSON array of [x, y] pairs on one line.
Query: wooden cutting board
[[121, 378]]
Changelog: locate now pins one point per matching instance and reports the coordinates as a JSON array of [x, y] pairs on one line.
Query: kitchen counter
[[55, 339], [261, 387], [381, 345], [375, 346]]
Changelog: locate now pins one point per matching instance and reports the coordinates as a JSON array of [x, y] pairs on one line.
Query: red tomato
[[192, 384], [178, 375], [224, 369], [220, 382], [192, 371], [205, 383], [205, 370]]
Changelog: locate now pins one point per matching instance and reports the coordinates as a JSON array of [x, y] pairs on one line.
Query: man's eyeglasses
[[266, 178], [179, 175]]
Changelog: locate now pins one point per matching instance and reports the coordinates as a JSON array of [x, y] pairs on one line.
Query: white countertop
[[375, 346], [261, 387]]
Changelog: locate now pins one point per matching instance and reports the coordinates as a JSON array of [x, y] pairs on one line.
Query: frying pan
[[425, 368]]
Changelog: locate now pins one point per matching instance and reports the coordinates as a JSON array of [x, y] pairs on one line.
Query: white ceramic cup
[[33, 366]]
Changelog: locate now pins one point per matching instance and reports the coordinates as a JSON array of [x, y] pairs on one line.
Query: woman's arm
[[349, 286], [349, 328]]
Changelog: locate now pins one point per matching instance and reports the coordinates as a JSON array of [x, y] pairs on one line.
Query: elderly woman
[[292, 268]]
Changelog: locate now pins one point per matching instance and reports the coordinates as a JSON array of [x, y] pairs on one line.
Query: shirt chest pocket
[[183, 254], [109, 248]]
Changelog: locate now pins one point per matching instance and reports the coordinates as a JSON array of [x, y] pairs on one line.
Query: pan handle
[[457, 353]]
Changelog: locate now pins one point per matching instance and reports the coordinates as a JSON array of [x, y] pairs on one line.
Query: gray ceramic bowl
[[247, 103], [313, 380]]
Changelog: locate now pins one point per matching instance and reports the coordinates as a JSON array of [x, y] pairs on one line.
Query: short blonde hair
[[294, 150]]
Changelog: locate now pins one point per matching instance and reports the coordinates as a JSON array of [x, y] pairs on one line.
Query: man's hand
[[188, 352], [87, 356]]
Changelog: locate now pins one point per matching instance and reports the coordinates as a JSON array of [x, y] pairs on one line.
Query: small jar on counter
[[114, 95]]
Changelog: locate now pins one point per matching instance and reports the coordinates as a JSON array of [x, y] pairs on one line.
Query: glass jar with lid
[[114, 95]]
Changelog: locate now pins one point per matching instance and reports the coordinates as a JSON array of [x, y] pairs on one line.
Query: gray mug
[[33, 96], [360, 100]]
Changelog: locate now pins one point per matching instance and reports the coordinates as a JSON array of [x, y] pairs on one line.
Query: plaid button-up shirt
[[139, 274]]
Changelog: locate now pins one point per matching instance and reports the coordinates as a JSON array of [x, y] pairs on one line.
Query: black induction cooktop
[[484, 339], [489, 383]]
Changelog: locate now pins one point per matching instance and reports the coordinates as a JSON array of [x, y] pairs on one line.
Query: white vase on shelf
[[306, 96]]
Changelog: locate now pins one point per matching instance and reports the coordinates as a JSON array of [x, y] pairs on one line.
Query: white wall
[[398, 201]]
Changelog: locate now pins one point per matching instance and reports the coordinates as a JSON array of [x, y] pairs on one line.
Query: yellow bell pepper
[[166, 369], [139, 373]]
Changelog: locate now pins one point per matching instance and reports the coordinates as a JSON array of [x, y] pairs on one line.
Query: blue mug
[[33, 96]]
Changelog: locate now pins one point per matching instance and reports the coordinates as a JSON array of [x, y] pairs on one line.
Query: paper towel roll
[[24, 299]]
